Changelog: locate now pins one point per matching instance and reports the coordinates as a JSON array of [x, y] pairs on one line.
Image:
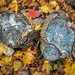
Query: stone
[[12, 28], [37, 21], [24, 72], [57, 33]]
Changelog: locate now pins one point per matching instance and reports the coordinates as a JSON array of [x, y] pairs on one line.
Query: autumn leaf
[[33, 13], [69, 67], [45, 9], [16, 65], [42, 2], [28, 56], [14, 6], [46, 66], [2, 2], [18, 54], [2, 49], [57, 8], [54, 3], [3, 70], [6, 61], [26, 60], [38, 27], [24, 34]]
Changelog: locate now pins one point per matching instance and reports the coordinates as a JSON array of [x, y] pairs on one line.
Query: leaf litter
[[27, 58]]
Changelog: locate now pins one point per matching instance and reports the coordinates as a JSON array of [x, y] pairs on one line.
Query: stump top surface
[[11, 28]]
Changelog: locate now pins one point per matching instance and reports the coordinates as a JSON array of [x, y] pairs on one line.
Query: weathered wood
[[56, 32]]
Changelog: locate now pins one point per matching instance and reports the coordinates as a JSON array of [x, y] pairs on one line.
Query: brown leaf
[[2, 2]]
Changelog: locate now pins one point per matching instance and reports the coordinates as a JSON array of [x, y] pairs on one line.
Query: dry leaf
[[29, 56], [2, 2], [16, 65], [14, 6], [42, 2], [18, 54], [33, 13], [3, 70], [69, 67], [45, 9], [54, 3], [46, 66], [26, 60], [24, 34], [6, 61], [2, 49], [38, 27]]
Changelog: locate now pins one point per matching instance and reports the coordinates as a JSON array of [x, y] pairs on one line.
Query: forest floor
[[31, 60]]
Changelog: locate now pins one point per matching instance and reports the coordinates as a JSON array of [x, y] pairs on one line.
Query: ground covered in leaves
[[31, 58]]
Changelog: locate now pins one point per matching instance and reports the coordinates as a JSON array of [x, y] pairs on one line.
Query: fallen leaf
[[54, 3], [24, 34], [73, 68], [46, 66], [2, 2], [1, 73], [6, 61], [69, 67], [57, 8], [26, 60], [2, 49], [42, 2], [30, 55], [38, 27], [33, 13], [16, 65], [45, 9], [3, 70], [14, 6], [18, 54]]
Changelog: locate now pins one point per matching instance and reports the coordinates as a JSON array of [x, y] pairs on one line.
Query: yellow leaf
[[45, 9], [73, 68], [38, 27], [6, 61], [68, 68], [26, 60], [2, 49], [16, 65], [18, 54], [54, 3], [28, 56], [69, 60], [14, 5], [33, 0], [46, 66], [14, 1], [2, 2], [24, 34], [57, 8], [3, 69], [16, 8]]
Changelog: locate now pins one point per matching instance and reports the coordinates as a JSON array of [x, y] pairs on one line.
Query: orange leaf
[[33, 13]]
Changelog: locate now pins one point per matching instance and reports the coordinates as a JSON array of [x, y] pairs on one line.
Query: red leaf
[[33, 13]]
